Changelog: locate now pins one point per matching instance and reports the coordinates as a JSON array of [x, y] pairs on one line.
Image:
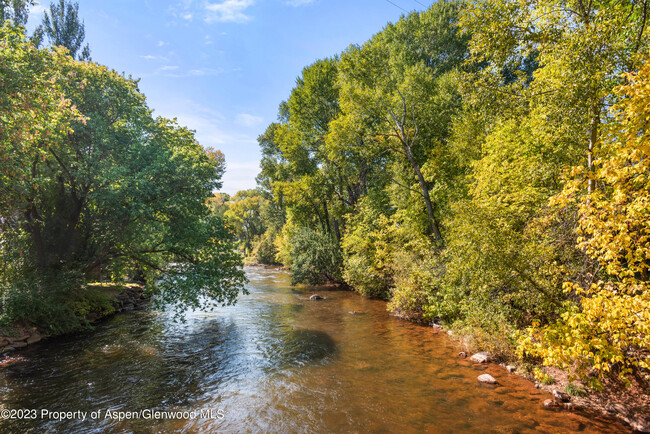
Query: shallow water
[[275, 362]]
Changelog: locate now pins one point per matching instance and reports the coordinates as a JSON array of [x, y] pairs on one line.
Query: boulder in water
[[316, 297], [486, 379], [480, 358]]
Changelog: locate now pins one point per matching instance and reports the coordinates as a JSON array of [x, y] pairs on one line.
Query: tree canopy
[[95, 188]]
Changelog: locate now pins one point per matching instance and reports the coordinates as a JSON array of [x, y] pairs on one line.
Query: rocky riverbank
[[630, 404], [22, 334]]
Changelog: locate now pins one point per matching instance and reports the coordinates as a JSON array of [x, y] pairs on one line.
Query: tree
[[583, 47], [400, 81], [608, 329], [34, 112], [244, 213], [114, 192], [16, 11], [63, 28]]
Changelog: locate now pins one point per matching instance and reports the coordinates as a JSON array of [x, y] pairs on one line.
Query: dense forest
[[93, 188], [480, 164]]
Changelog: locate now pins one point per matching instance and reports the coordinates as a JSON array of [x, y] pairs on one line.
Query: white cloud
[[203, 72], [162, 43], [296, 3], [187, 16], [152, 57], [228, 11], [168, 68], [246, 120]]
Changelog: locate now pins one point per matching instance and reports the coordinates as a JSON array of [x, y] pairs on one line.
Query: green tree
[[244, 214], [16, 11], [400, 80], [105, 189], [63, 27]]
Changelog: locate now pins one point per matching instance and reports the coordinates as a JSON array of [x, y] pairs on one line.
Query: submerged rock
[[561, 396], [462, 354], [480, 358], [486, 379], [551, 404], [316, 297]]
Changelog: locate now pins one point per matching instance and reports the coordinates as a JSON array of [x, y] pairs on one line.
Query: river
[[274, 362]]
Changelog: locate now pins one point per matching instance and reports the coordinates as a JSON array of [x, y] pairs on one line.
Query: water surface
[[275, 362]]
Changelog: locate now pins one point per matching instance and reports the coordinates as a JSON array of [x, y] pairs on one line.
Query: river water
[[275, 362]]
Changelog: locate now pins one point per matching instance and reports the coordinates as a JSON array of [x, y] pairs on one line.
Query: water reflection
[[275, 362]]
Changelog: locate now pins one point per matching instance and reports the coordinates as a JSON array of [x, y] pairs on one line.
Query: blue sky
[[222, 67]]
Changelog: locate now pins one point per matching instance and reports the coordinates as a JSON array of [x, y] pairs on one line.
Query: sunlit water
[[275, 362]]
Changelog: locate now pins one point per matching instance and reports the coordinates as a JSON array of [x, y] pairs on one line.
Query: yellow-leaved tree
[[607, 331]]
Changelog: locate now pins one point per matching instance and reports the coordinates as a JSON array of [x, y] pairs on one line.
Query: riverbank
[[628, 404], [106, 300]]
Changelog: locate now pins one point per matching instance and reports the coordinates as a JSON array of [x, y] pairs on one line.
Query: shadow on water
[[298, 348]]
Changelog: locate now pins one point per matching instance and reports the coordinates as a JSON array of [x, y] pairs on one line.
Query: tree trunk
[[593, 137], [425, 193], [34, 227], [327, 228]]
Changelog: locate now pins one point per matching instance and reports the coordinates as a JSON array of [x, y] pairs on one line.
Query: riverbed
[[274, 362]]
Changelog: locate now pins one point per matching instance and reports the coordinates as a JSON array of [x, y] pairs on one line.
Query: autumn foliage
[[608, 331]]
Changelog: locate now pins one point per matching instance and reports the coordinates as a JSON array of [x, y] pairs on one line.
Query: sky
[[222, 67]]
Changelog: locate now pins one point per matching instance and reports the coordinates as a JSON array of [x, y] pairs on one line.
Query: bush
[[57, 302], [315, 258]]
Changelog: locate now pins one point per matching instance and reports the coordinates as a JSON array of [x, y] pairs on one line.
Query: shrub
[[315, 258]]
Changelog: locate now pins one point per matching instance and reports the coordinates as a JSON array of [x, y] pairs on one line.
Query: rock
[[487, 379], [34, 338], [569, 405], [550, 403], [616, 409], [511, 368], [316, 297], [437, 327], [129, 306], [20, 345], [7, 349], [450, 333], [561, 396], [462, 354], [639, 423], [538, 386], [355, 312], [3, 343], [480, 358]]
